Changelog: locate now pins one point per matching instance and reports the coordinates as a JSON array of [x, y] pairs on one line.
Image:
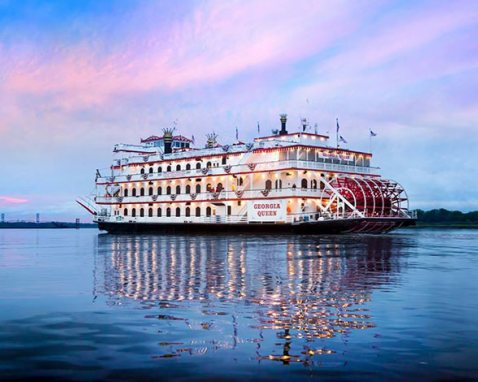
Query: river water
[[82, 305]]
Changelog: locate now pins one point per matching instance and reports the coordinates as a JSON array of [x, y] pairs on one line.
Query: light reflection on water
[[78, 305], [301, 289]]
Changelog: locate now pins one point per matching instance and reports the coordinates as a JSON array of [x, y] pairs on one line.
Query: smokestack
[[211, 140], [283, 121], [168, 140]]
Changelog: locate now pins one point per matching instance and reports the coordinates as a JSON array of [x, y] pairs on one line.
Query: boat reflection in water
[[286, 299]]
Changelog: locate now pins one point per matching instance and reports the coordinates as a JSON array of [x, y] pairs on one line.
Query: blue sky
[[78, 77]]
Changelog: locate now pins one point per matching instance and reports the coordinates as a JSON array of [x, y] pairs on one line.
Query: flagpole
[[337, 132]]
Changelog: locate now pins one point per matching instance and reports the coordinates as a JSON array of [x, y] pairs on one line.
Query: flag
[[237, 134], [258, 128], [192, 139], [338, 127], [372, 134], [341, 139]]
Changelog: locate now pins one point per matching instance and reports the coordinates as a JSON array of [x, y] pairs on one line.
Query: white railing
[[263, 166]]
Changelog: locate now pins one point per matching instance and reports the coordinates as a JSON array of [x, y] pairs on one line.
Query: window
[[142, 170], [141, 212], [313, 184], [150, 213], [188, 166], [178, 167], [168, 169], [125, 212], [208, 211], [168, 212], [133, 212], [239, 202], [229, 210], [240, 181], [142, 191], [188, 189], [160, 190], [219, 187], [198, 211], [208, 187], [278, 184], [303, 183], [178, 212], [168, 190], [125, 192], [208, 165], [160, 169], [198, 166], [224, 160], [160, 212], [150, 191], [198, 188], [150, 170], [178, 189], [268, 184], [188, 212], [133, 192]]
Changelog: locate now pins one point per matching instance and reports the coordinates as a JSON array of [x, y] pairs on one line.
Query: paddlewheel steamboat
[[285, 182]]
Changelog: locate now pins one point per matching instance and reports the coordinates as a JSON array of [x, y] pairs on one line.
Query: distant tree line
[[446, 217]]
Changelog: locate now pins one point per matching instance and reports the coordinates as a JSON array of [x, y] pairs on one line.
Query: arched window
[[198, 166], [198, 188], [141, 212], [150, 170], [229, 210], [160, 169], [133, 212], [141, 192], [142, 170], [188, 189], [150, 191], [168, 212], [208, 164], [313, 184], [160, 190], [219, 187], [208, 187], [268, 184], [208, 211], [178, 167], [168, 168], [150, 213], [133, 192], [224, 160], [178, 212], [188, 166], [168, 190], [125, 212], [178, 189], [278, 183], [198, 211], [303, 183], [188, 212], [125, 192], [159, 212]]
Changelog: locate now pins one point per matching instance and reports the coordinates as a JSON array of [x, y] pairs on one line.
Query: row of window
[[168, 211], [169, 168], [159, 190], [268, 186]]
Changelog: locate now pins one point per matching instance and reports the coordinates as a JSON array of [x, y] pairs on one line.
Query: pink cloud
[[6, 200]]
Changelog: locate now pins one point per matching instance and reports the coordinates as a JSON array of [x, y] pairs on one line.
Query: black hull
[[367, 225]]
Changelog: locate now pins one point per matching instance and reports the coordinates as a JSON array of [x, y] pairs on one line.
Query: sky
[[76, 77]]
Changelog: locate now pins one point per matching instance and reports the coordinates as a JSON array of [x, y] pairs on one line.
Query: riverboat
[[288, 182]]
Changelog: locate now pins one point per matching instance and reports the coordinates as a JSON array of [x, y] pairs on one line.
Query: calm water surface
[[79, 305]]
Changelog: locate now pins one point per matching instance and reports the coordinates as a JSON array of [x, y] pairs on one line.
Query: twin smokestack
[[168, 136]]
